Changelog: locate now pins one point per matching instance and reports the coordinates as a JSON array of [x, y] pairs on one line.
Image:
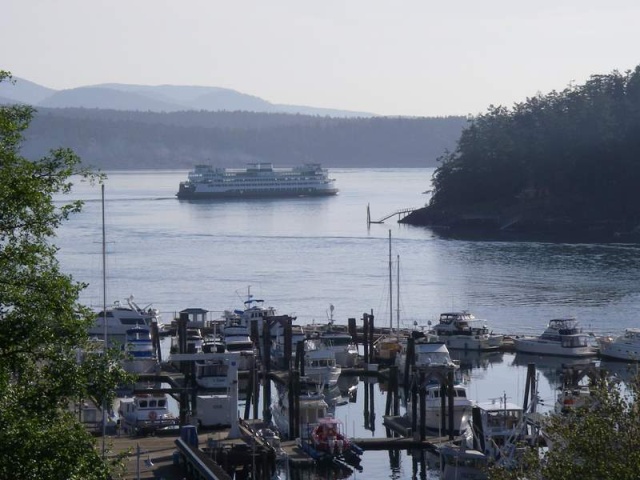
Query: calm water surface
[[302, 255]]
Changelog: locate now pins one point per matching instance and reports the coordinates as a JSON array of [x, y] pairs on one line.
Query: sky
[[402, 57]]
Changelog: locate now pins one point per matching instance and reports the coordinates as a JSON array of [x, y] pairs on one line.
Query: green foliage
[[573, 154], [599, 441], [42, 326]]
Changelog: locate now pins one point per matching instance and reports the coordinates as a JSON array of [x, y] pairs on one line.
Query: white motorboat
[[427, 354], [313, 406], [212, 374], [146, 413], [342, 345], [462, 406], [236, 339], [139, 351], [320, 363], [463, 331], [119, 319], [562, 337], [623, 347]]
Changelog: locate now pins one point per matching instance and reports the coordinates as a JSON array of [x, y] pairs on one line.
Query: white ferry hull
[[210, 194], [259, 180]]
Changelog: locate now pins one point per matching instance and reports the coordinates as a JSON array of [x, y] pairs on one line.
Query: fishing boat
[[501, 426], [146, 413], [328, 442], [623, 347], [463, 331], [572, 397], [258, 180], [562, 337], [119, 318]]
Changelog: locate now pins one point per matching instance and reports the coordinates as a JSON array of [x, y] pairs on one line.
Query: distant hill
[[118, 126], [160, 98], [110, 139], [24, 91]]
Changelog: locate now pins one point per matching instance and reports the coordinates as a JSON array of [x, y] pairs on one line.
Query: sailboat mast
[[104, 273], [398, 292], [390, 287], [104, 317]]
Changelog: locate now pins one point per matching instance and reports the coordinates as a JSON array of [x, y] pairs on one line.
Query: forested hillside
[[110, 139], [566, 160]]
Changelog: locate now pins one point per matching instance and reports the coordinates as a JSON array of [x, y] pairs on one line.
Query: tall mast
[[104, 318], [390, 287], [398, 292]]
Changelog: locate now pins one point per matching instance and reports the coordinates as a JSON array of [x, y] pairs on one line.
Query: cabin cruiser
[[320, 363], [146, 413], [342, 345], [119, 319], [139, 351], [427, 354], [463, 331], [462, 406], [312, 406], [563, 337], [624, 347]]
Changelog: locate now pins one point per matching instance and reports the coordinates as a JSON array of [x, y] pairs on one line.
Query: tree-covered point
[[564, 159]]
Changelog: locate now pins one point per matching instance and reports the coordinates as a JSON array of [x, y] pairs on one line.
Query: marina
[[313, 436]]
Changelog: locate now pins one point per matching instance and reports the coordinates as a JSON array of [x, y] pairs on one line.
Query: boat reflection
[[474, 359], [554, 368], [625, 371]]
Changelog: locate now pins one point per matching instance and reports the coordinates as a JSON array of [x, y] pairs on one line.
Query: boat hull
[[244, 194], [471, 342], [543, 347]]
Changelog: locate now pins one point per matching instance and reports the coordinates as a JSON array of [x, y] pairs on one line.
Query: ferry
[[258, 180]]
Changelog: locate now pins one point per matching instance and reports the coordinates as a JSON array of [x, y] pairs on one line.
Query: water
[[303, 255]]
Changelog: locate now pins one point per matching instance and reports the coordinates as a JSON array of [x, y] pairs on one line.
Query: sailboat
[[388, 346]]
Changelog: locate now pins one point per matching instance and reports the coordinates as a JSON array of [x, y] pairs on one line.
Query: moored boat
[[433, 419], [139, 351], [562, 337], [463, 331], [118, 319], [146, 413], [623, 347], [320, 363], [328, 441], [258, 180]]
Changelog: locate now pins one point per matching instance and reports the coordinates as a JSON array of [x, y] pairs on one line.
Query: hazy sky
[[414, 57]]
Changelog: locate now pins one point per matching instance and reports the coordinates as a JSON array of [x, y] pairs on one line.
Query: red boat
[[327, 436]]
